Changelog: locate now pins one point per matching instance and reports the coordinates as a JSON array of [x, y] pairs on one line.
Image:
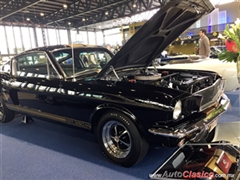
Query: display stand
[[26, 119], [192, 156]]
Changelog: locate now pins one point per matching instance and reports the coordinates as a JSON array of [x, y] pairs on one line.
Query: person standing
[[204, 44], [110, 48]]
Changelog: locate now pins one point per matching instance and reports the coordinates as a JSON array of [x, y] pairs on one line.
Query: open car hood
[[157, 33]]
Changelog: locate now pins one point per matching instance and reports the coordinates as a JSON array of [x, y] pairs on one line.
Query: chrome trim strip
[[49, 61], [238, 169], [54, 117], [155, 104], [206, 124]]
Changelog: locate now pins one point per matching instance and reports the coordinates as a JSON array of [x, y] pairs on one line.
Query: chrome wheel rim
[[116, 139]]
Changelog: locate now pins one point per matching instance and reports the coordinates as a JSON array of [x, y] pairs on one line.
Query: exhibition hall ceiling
[[70, 13]]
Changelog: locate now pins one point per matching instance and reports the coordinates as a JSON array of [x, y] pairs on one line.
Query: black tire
[[6, 115], [120, 140], [210, 136]]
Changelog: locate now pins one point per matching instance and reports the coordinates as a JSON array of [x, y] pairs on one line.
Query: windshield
[[221, 47], [215, 50], [84, 59]]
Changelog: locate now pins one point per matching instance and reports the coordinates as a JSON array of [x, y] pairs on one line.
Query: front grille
[[211, 94]]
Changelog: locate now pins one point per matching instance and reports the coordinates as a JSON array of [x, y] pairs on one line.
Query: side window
[[34, 65]]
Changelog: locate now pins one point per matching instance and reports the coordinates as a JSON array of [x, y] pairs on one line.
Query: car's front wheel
[[120, 140], [6, 115]]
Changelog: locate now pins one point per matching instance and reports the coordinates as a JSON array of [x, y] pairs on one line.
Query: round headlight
[[177, 110]]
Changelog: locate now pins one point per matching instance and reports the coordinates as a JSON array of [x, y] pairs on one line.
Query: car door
[[35, 86]]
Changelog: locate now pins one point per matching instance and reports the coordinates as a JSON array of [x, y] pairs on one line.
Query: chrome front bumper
[[198, 129]]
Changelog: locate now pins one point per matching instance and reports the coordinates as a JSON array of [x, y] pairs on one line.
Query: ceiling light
[[28, 19], [106, 13], [83, 19], [65, 6], [69, 23], [134, 5], [41, 14]]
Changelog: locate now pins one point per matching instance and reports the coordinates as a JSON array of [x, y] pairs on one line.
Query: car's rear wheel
[[120, 140], [6, 115]]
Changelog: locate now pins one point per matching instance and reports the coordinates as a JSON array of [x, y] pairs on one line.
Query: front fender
[[103, 108], [230, 75]]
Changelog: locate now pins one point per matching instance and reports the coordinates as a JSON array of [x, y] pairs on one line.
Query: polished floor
[[46, 151], [228, 131]]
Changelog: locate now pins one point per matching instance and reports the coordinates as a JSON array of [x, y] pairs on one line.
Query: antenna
[[73, 62]]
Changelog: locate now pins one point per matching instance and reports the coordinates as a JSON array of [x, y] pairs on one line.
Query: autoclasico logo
[[188, 175]]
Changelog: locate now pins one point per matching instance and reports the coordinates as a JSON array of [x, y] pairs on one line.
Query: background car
[[215, 50], [226, 69]]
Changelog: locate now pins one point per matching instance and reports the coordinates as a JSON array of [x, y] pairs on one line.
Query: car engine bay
[[188, 81]]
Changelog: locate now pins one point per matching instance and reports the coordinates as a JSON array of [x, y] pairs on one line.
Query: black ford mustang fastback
[[127, 105]]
